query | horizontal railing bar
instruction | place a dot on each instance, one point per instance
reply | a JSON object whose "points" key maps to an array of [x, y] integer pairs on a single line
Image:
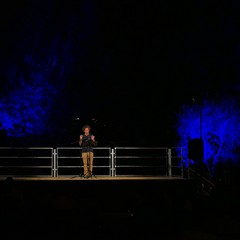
{"points": [[25, 166], [141, 147], [79, 148], [82, 166], [35, 148], [164, 157], [81, 157], [14, 157], [131, 166]]}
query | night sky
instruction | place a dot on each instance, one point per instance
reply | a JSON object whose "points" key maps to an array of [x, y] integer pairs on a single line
{"points": [[124, 67]]}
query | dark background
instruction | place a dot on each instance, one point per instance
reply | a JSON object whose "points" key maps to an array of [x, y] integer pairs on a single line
{"points": [[126, 68], [128, 65]]}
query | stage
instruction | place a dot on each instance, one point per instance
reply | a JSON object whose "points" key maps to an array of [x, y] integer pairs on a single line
{"points": [[135, 191], [94, 178], [141, 207]]}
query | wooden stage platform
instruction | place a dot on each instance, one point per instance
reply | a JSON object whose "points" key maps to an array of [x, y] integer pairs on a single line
{"points": [[97, 178]]}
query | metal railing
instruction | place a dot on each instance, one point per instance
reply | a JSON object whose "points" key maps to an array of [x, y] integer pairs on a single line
{"points": [[131, 161], [160, 161], [66, 161], [26, 161], [175, 161]]}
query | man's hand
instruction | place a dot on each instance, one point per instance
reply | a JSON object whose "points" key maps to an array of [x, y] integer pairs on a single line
{"points": [[93, 138]]}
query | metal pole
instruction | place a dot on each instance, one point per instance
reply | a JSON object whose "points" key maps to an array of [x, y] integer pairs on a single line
{"points": [[54, 163], [110, 162], [113, 169], [169, 162]]}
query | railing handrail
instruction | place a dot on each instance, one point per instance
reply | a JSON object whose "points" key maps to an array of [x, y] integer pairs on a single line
{"points": [[164, 148], [81, 148], [26, 147], [112, 156]]}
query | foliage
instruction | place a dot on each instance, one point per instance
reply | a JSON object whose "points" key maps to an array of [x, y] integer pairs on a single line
{"points": [[220, 129]]}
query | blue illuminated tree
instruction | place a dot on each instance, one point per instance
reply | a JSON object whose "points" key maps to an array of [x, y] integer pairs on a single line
{"points": [[38, 59], [34, 82], [220, 129], [24, 110]]}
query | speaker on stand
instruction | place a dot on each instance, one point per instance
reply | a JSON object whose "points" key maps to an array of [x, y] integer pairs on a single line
{"points": [[195, 149], [196, 154]]}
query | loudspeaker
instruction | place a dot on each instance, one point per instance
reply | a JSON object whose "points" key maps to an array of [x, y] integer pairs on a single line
{"points": [[195, 149]]}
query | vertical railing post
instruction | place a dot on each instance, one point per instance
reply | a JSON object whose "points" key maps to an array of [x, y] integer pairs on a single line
{"points": [[169, 162], [110, 162], [54, 162], [113, 169]]}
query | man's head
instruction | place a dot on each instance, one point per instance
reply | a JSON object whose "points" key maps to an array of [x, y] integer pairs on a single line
{"points": [[86, 128]]}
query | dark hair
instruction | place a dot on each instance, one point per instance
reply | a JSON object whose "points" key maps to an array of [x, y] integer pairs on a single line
{"points": [[86, 126]]}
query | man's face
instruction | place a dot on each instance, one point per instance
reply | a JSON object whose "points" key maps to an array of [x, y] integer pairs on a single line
{"points": [[86, 130]]}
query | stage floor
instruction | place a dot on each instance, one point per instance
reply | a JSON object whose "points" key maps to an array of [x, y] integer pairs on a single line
{"points": [[97, 178]]}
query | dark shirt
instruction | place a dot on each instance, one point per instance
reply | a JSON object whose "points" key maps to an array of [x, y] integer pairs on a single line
{"points": [[87, 145]]}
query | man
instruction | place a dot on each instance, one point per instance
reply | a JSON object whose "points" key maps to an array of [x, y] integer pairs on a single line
{"points": [[87, 141]]}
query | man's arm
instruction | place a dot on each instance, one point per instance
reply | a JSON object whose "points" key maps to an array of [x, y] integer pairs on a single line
{"points": [[80, 140], [94, 142]]}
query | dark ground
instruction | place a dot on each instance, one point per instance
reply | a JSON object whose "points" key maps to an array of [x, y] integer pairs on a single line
{"points": [[164, 209]]}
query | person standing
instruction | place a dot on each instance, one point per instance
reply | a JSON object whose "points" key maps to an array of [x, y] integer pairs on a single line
{"points": [[87, 141]]}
